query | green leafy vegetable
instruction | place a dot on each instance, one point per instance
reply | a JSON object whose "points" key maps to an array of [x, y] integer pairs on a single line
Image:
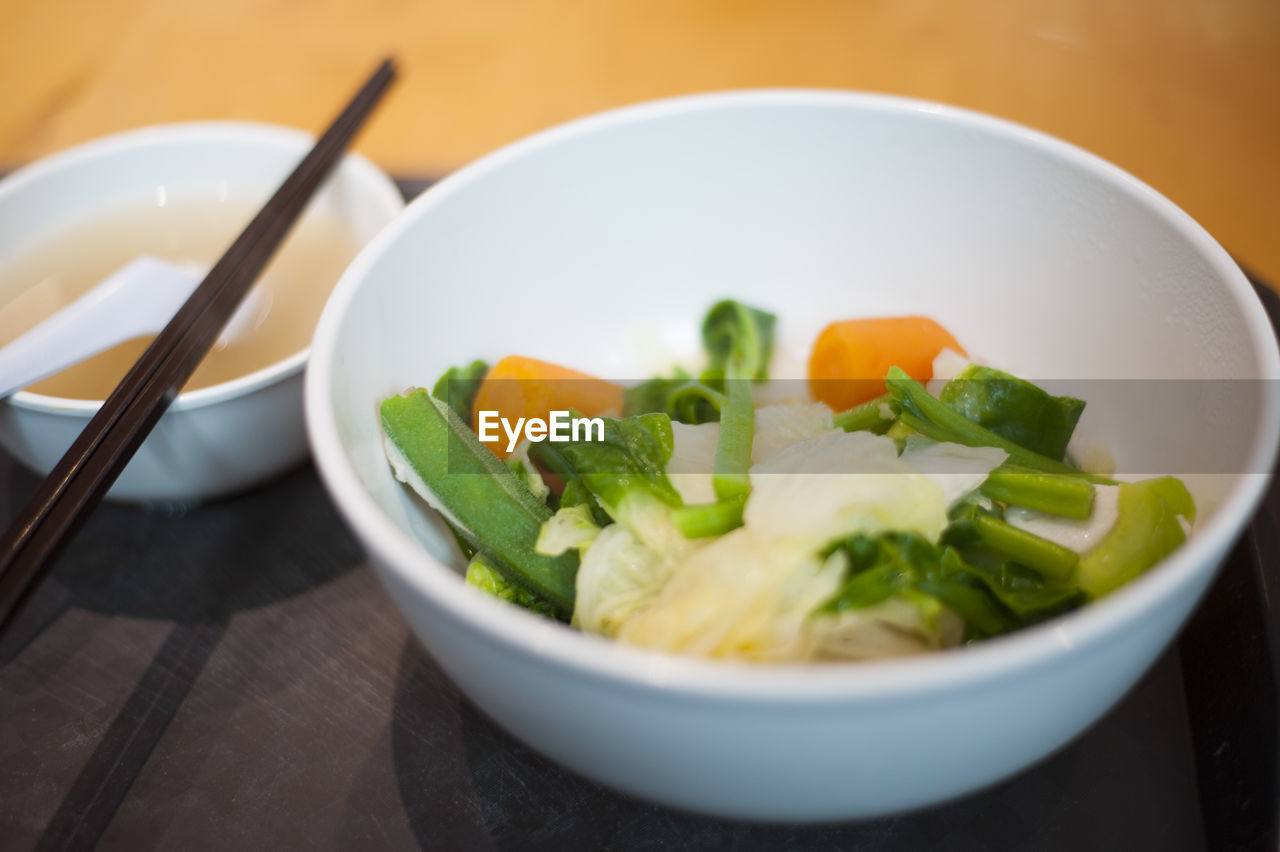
{"points": [[1147, 530], [682, 398], [576, 494], [624, 473], [880, 566], [1015, 409], [482, 575], [695, 402], [967, 592], [738, 340], [990, 600], [458, 387], [631, 459], [440, 457], [1026, 593], [921, 411], [870, 416], [651, 396]]}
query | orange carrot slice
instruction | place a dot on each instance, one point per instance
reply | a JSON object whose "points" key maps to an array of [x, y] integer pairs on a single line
{"points": [[850, 358], [518, 387]]}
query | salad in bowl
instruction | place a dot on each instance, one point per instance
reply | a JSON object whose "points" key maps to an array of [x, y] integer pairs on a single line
{"points": [[903, 499]]}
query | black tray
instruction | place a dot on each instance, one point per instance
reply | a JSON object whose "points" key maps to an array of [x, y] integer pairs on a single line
{"points": [[233, 676]]}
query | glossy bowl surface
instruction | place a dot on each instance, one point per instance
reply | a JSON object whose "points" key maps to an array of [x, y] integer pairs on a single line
{"points": [[581, 243], [219, 439]]}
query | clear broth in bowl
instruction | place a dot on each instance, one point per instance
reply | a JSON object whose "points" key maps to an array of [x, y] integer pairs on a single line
{"points": [[49, 274]]}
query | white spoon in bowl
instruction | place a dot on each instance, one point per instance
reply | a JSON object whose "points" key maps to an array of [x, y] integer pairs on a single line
{"points": [[135, 300]]}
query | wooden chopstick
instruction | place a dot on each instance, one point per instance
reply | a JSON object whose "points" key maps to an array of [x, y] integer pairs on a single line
{"points": [[96, 458]]}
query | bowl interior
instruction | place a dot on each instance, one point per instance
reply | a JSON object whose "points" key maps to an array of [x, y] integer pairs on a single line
{"points": [[600, 245]]}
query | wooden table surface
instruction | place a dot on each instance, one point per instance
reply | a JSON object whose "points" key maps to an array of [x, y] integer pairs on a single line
{"points": [[1185, 95]]}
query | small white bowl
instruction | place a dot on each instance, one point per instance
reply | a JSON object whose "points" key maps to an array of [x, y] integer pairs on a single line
{"points": [[219, 439], [817, 205]]}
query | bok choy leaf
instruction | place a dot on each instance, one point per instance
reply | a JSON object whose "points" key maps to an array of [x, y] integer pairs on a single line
{"points": [[1015, 409]]}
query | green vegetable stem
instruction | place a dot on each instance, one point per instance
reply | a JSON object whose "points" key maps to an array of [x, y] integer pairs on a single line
{"points": [[1049, 558], [709, 519], [739, 344], [870, 416], [733, 449], [1067, 496]]}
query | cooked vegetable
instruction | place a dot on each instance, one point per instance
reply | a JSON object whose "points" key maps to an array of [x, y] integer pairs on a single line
{"points": [[518, 387], [624, 472], [699, 524], [874, 415], [742, 595], [1050, 559], [619, 577], [576, 494], [989, 600], [1068, 496], [433, 451], [1149, 527], [841, 484], [851, 358], [630, 460], [703, 520], [682, 398], [1015, 409], [738, 340], [906, 567], [695, 402], [739, 344], [458, 387], [481, 574], [571, 527], [520, 464], [733, 452], [924, 413]]}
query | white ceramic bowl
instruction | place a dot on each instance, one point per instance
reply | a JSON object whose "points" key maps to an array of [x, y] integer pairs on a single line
{"points": [[225, 437], [819, 205]]}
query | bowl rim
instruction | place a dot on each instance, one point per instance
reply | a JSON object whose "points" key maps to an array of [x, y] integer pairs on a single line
{"points": [[791, 684], [373, 181]]}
